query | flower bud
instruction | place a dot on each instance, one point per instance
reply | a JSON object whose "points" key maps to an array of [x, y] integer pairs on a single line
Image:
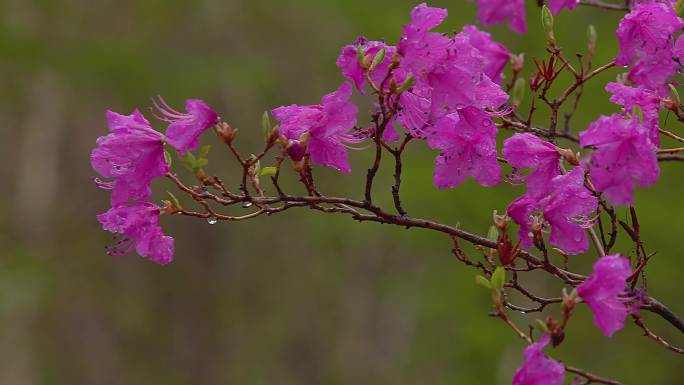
{"points": [[674, 98], [517, 62], [225, 132], [518, 92], [591, 39], [408, 83], [547, 23]]}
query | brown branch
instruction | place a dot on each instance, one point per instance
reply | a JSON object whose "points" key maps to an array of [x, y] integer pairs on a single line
{"points": [[604, 5]]}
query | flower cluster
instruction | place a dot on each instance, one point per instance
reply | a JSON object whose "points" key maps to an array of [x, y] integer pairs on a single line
{"points": [[452, 97], [132, 156]]}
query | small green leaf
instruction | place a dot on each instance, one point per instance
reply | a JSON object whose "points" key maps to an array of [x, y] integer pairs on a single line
{"points": [[674, 95], [204, 151], [518, 91], [361, 56], [592, 36], [379, 57], [542, 325], [482, 281], [202, 163], [547, 19], [408, 83], [167, 157], [493, 234], [266, 171], [498, 278], [174, 200]]}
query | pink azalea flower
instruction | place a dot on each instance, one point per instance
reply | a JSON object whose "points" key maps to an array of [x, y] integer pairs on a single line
{"points": [[624, 157], [493, 12], [539, 369], [565, 208], [648, 101], [327, 126], [646, 37], [132, 154], [422, 50], [468, 143], [185, 128], [348, 62], [495, 55], [527, 151], [604, 292], [139, 224], [557, 5]]}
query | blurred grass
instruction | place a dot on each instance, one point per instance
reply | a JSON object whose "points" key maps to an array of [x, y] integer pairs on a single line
{"points": [[293, 299]]}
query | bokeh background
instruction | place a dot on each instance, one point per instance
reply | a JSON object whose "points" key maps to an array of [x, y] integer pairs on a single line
{"points": [[299, 298]]}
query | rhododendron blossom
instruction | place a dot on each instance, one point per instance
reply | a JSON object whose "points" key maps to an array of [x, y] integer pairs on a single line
{"points": [[624, 158], [646, 37], [493, 12], [139, 224], [348, 61], [557, 5], [132, 154], [646, 100], [604, 292], [565, 207], [526, 151], [325, 128], [185, 128], [538, 369]]}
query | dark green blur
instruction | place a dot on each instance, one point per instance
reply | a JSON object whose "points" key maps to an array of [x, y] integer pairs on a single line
{"points": [[298, 298]]}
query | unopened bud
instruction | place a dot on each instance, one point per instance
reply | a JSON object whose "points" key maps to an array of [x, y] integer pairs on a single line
{"points": [[500, 221], [591, 39], [547, 23], [361, 56], [518, 92], [517, 62], [569, 156], [225, 132]]}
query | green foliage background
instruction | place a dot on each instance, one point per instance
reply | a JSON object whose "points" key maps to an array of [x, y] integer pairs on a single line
{"points": [[300, 298]]}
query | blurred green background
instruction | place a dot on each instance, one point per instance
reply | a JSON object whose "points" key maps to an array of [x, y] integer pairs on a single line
{"points": [[298, 298]]}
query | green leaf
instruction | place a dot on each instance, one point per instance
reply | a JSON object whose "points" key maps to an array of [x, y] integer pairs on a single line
{"points": [[201, 163], [498, 278], [379, 57], [266, 171], [542, 325], [361, 56], [204, 151], [482, 281], [493, 234], [174, 200], [518, 91], [168, 158]]}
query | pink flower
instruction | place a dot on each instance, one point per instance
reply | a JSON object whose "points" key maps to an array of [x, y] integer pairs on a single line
{"points": [[648, 101], [139, 224], [348, 62], [468, 143], [422, 50], [527, 151], [498, 11], [326, 126], [132, 154], [565, 208], [624, 157], [604, 292], [185, 128], [539, 369], [646, 38], [557, 5], [495, 55]]}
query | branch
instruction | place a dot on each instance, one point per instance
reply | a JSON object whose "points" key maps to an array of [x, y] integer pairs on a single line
{"points": [[604, 5]]}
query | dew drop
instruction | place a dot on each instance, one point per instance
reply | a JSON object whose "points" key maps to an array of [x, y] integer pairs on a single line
{"points": [[212, 220], [247, 204]]}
